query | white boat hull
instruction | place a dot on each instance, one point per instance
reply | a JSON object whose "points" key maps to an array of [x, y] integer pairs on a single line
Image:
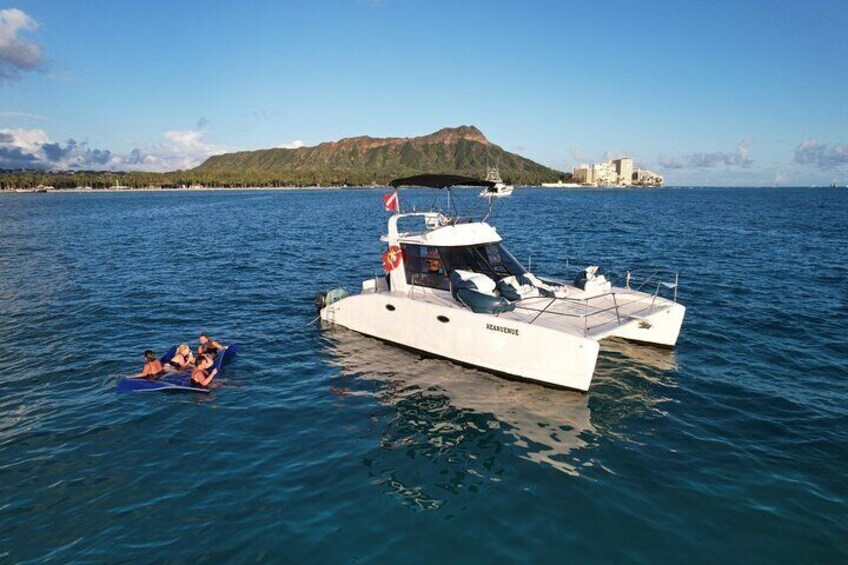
{"points": [[501, 192], [657, 328], [506, 346]]}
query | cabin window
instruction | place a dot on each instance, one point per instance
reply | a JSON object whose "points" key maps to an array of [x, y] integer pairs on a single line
{"points": [[424, 266], [491, 259]]}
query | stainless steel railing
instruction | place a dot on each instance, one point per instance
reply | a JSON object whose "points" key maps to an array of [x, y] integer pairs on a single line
{"points": [[657, 277], [656, 281], [589, 311]]}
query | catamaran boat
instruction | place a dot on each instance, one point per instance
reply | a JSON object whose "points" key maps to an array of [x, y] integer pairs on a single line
{"points": [[498, 187], [453, 290]]}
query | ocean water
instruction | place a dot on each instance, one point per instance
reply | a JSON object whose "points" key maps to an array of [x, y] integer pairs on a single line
{"points": [[325, 446]]}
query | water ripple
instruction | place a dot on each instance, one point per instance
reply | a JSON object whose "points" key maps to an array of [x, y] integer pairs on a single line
{"points": [[323, 445]]}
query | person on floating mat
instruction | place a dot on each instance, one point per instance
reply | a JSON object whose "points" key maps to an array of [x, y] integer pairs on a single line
{"points": [[201, 376], [209, 345], [182, 359], [153, 368]]}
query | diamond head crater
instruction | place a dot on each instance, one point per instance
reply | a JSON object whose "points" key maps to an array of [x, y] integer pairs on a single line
{"points": [[352, 161]]}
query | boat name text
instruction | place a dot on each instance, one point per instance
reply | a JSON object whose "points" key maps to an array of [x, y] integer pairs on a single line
{"points": [[502, 329]]}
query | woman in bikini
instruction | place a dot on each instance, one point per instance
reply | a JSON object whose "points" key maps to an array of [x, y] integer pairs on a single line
{"points": [[182, 359], [201, 376]]}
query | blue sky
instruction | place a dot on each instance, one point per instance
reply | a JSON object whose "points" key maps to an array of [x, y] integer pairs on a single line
{"points": [[707, 93]]}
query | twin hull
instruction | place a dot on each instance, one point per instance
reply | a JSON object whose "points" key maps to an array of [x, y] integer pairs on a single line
{"points": [[504, 346]]}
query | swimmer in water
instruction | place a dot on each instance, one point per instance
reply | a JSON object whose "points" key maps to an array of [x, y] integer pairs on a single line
{"points": [[201, 376], [152, 367]]}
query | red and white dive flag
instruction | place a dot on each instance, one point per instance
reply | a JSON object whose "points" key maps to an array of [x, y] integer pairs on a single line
{"points": [[390, 201]]}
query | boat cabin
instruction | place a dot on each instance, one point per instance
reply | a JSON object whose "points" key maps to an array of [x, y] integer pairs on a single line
{"points": [[430, 256], [464, 258]]}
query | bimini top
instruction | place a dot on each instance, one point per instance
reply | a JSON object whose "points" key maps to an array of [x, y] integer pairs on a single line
{"points": [[440, 181]]}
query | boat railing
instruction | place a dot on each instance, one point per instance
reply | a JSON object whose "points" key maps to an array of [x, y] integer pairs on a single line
{"points": [[589, 311], [659, 281], [586, 309], [417, 290]]}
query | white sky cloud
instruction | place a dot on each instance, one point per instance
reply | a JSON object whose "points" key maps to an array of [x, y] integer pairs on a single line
{"points": [[297, 143], [23, 115], [822, 155], [738, 158], [29, 140], [181, 149], [33, 148], [17, 55]]}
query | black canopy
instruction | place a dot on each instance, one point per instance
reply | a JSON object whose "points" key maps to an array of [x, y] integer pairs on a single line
{"points": [[440, 181]]}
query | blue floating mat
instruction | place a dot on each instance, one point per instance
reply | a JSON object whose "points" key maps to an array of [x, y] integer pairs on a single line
{"points": [[176, 382]]}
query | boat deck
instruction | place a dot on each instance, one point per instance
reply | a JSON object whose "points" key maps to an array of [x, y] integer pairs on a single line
{"points": [[597, 317]]}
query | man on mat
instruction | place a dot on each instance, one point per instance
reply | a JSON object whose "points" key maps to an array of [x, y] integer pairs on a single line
{"points": [[152, 367], [209, 345]]}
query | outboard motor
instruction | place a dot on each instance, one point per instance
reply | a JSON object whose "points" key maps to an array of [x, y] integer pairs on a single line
{"points": [[320, 301], [324, 299]]}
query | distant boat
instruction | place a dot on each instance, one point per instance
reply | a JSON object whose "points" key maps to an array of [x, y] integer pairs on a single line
{"points": [[560, 184], [500, 189]]}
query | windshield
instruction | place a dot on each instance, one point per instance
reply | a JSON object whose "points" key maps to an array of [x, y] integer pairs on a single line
{"points": [[430, 266], [491, 259]]}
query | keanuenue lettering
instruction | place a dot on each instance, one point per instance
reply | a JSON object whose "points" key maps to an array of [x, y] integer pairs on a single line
{"points": [[502, 329]]}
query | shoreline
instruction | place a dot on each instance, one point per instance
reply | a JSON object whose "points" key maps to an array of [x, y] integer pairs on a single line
{"points": [[158, 189], [337, 188], [270, 188]]}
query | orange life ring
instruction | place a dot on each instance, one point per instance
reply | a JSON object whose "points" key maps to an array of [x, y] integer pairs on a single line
{"points": [[392, 258]]}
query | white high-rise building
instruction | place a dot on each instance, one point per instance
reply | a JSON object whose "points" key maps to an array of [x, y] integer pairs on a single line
{"points": [[614, 172], [605, 174], [624, 169], [582, 174], [642, 177]]}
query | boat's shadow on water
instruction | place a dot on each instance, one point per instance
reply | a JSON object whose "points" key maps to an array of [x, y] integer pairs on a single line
{"points": [[472, 424]]}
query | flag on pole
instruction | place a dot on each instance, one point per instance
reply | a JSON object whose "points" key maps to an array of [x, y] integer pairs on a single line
{"points": [[390, 202]]}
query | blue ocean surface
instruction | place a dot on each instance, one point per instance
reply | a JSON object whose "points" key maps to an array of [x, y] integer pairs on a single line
{"points": [[323, 446]]}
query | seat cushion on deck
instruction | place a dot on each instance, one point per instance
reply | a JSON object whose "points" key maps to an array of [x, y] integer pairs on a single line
{"points": [[477, 292], [512, 290], [480, 303], [547, 290], [473, 281]]}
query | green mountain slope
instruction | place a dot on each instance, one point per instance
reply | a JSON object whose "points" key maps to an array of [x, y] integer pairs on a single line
{"points": [[365, 160]]}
